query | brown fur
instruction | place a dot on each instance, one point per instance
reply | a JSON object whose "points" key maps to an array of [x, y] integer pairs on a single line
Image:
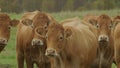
{"points": [[90, 19], [117, 40], [25, 35], [75, 49], [5, 25]]}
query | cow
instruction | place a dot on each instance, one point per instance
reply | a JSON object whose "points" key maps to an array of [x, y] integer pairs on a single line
{"points": [[104, 25], [31, 43], [71, 44], [116, 22], [5, 27]]}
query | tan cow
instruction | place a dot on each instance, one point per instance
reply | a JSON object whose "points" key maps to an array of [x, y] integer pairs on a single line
{"points": [[71, 44], [5, 25], [31, 43], [104, 27], [117, 40]]}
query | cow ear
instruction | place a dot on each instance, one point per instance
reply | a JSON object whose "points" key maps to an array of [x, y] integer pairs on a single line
{"points": [[68, 33], [27, 22], [14, 22], [115, 23], [93, 22]]}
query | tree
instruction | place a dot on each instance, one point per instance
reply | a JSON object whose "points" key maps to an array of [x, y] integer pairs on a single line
{"points": [[69, 5], [48, 5], [104, 4]]}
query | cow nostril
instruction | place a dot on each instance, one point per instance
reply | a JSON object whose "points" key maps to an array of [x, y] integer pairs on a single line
{"points": [[105, 38], [101, 38], [38, 42], [4, 41]]}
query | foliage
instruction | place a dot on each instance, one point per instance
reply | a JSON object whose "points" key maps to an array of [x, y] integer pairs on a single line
{"points": [[57, 5]]}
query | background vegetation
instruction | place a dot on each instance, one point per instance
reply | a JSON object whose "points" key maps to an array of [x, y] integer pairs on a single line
{"points": [[19, 6]]}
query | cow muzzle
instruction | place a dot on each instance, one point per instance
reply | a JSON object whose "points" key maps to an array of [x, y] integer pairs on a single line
{"points": [[3, 42], [50, 52], [103, 38], [37, 42]]}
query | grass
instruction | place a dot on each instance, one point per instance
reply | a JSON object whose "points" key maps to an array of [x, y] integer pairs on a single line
{"points": [[8, 55]]}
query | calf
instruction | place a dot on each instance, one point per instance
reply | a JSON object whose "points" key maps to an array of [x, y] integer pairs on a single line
{"points": [[31, 43], [71, 44], [5, 25]]}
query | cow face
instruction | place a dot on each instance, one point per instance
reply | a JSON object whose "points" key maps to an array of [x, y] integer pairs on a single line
{"points": [[39, 24], [56, 39], [104, 26], [39, 36], [5, 26]]}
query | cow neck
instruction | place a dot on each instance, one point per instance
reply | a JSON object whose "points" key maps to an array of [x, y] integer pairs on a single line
{"points": [[65, 55]]}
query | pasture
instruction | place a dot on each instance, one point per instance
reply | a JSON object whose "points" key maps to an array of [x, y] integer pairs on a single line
{"points": [[8, 55]]}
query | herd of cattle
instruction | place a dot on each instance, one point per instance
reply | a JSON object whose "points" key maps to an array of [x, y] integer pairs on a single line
{"points": [[91, 42]]}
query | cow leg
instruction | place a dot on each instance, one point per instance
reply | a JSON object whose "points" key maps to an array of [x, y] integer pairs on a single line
{"points": [[29, 62], [41, 65], [44, 65], [20, 60], [118, 61], [117, 52], [47, 65]]}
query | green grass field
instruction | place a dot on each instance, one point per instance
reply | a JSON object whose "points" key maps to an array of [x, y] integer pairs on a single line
{"points": [[8, 55]]}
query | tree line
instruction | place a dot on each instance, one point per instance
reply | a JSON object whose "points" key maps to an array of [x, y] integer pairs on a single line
{"points": [[19, 6]]}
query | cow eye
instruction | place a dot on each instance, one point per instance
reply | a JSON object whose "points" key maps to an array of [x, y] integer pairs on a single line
{"points": [[9, 27], [60, 38], [46, 36], [39, 32], [110, 26], [97, 25], [45, 26]]}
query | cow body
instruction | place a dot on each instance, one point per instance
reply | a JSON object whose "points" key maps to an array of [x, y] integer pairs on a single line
{"points": [[71, 49], [26, 48], [116, 40]]}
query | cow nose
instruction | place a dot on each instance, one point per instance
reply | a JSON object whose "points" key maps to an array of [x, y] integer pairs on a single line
{"points": [[37, 42], [103, 38], [3, 41], [50, 52]]}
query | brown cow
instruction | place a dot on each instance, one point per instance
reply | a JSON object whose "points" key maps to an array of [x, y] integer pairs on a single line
{"points": [[117, 40], [104, 27], [71, 44], [5, 26], [30, 40]]}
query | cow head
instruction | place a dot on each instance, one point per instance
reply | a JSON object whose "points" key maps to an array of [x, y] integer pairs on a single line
{"points": [[5, 25], [104, 27], [39, 24], [56, 39]]}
